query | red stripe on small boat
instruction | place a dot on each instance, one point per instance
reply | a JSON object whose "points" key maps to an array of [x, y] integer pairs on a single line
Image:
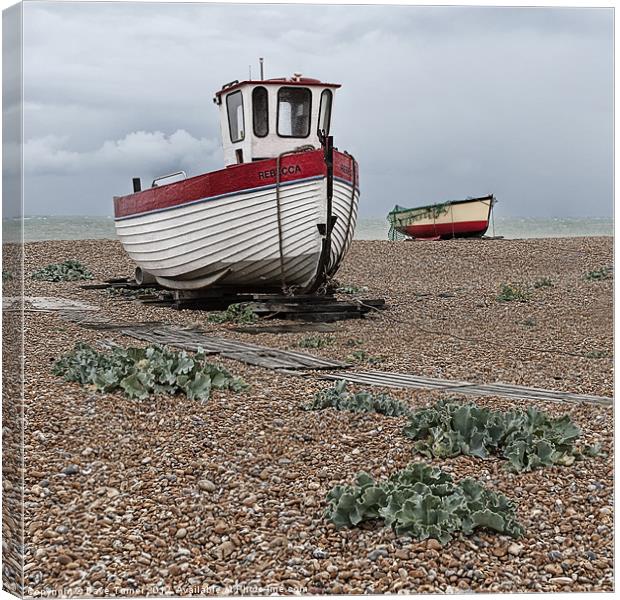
{"points": [[234, 179], [447, 229]]}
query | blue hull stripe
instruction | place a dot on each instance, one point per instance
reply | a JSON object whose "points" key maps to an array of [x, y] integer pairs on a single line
{"points": [[346, 182]]}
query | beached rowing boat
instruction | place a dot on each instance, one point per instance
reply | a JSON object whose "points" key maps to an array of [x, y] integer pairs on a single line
{"points": [[280, 215], [452, 219]]}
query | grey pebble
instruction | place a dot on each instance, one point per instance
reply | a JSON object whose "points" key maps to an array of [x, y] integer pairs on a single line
{"points": [[377, 553]]}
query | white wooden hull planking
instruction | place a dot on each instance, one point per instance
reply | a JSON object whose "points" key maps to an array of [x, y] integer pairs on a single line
{"points": [[237, 236]]}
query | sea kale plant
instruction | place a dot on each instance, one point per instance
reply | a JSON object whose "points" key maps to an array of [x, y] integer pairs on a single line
{"points": [[235, 313], [543, 282], [315, 341], [599, 274], [361, 356], [362, 402], [69, 270], [140, 372], [527, 439], [512, 292], [423, 502]]}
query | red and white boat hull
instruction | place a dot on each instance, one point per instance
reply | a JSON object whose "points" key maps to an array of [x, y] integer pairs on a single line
{"points": [[222, 228], [460, 218]]}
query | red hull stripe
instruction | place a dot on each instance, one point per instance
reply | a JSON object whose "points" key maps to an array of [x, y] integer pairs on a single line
{"points": [[447, 229], [217, 197], [238, 179]]}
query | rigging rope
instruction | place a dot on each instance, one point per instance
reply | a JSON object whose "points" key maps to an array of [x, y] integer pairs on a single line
{"points": [[335, 266], [305, 148]]}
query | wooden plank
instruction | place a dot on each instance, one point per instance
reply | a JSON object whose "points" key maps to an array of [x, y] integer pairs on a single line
{"points": [[534, 390], [95, 286], [192, 339], [310, 308], [399, 380], [311, 359], [287, 328], [259, 360], [387, 382], [301, 299], [304, 308], [315, 307], [432, 381], [491, 389]]}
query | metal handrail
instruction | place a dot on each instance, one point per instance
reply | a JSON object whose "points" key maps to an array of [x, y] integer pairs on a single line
{"points": [[166, 177]]}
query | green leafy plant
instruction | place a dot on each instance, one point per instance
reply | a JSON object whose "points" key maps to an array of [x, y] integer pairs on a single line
{"points": [[528, 440], [337, 397], [593, 451], [543, 282], [363, 357], [352, 289], [599, 274], [140, 372], [69, 270], [596, 354], [530, 322], [353, 342], [511, 292], [6, 275], [235, 313], [315, 341], [423, 502]]}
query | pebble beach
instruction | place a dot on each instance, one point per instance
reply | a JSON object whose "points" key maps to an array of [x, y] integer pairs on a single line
{"points": [[178, 497]]}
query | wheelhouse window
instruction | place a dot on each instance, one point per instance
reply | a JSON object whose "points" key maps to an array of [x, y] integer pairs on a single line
{"points": [[325, 111], [294, 104], [260, 112], [234, 106]]}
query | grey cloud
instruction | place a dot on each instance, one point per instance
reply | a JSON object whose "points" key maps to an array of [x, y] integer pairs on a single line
{"points": [[437, 102], [137, 151]]}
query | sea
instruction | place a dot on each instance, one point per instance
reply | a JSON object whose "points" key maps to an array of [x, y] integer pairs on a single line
{"points": [[37, 228]]}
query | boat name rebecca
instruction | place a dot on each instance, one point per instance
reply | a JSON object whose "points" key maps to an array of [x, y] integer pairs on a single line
{"points": [[288, 170]]}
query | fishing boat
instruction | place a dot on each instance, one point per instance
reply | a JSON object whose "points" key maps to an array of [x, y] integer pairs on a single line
{"points": [[451, 219], [279, 216]]}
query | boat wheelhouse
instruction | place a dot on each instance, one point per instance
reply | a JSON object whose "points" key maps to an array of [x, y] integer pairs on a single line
{"points": [[279, 216], [265, 118]]}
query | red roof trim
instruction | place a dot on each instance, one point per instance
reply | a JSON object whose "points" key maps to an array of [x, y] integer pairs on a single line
{"points": [[305, 81]]}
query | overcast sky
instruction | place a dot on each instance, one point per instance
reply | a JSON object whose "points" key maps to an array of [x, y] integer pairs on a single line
{"points": [[436, 103]]}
